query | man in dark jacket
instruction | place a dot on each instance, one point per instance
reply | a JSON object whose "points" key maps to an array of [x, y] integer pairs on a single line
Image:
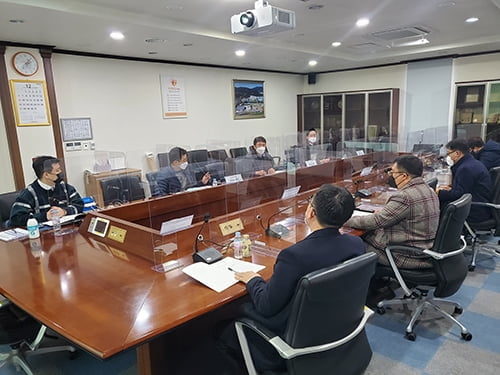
{"points": [[179, 176], [488, 154], [468, 176], [45, 196], [329, 209]]}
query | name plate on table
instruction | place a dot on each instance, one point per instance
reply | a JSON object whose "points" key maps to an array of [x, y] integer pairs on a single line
{"points": [[233, 178], [290, 192], [175, 225], [311, 163]]}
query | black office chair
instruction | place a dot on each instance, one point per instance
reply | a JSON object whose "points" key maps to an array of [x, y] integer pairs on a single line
{"points": [[220, 154], [490, 226], [325, 332], [119, 190], [432, 182], [425, 288], [197, 156], [23, 334], [151, 177], [6, 202], [163, 160], [238, 152]]}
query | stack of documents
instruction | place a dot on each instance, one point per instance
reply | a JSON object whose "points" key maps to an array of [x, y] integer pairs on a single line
{"points": [[13, 234]]}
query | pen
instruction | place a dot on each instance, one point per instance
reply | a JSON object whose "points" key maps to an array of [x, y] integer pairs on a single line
{"points": [[230, 269]]}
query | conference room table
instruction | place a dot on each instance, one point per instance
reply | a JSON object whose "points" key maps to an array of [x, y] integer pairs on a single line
{"points": [[102, 294]]}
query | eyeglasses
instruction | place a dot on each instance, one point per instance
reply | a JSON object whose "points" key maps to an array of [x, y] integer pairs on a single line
{"points": [[451, 152]]}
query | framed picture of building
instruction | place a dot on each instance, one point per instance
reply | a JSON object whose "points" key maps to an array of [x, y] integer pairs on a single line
{"points": [[248, 99]]}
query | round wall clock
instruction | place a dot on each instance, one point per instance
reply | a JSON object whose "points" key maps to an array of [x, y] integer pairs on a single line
{"points": [[25, 63]]}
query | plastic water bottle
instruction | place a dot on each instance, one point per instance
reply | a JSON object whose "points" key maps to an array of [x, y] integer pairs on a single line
{"points": [[56, 222], [237, 245], [214, 182], [32, 227]]}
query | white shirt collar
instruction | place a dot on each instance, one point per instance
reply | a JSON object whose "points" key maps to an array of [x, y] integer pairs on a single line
{"points": [[45, 186]]}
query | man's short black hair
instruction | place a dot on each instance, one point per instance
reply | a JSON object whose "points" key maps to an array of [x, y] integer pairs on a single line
{"points": [[475, 142], [259, 139], [43, 164], [334, 205], [176, 154], [410, 164], [458, 145]]}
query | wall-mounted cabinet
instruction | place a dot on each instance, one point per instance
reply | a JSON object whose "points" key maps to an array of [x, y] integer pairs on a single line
{"points": [[477, 110], [352, 120]]}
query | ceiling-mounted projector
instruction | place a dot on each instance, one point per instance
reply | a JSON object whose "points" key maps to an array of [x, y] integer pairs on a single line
{"points": [[264, 19]]}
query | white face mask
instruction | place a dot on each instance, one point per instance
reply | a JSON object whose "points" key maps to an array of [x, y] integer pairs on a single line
{"points": [[183, 165], [312, 140], [260, 150], [449, 161]]}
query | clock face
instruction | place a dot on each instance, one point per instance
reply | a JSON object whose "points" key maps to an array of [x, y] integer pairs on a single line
{"points": [[25, 63]]}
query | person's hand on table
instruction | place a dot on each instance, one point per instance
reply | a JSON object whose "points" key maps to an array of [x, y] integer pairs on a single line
{"points": [[60, 212], [205, 178], [443, 187], [260, 173], [246, 276], [271, 171]]}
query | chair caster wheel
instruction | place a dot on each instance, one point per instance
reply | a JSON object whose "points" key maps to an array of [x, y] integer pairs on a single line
{"points": [[472, 268], [381, 310], [410, 336], [467, 336], [458, 310]]}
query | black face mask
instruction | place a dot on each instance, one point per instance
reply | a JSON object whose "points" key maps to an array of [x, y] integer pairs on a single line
{"points": [[60, 178], [392, 182]]}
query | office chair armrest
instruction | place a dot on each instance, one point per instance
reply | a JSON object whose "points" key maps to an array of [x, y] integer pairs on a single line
{"points": [[486, 204], [439, 256], [286, 351], [400, 249]]}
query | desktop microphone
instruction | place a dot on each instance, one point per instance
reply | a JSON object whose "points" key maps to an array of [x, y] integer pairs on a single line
{"points": [[282, 229], [209, 255]]}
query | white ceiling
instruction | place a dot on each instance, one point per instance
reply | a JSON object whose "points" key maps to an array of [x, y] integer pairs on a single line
{"points": [[198, 31]]}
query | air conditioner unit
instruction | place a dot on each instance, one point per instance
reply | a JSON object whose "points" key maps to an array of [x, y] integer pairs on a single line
{"points": [[264, 19]]}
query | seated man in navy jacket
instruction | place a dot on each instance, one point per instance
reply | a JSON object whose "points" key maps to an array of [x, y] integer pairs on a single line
{"points": [[488, 154], [329, 209], [468, 176], [47, 195], [178, 177]]}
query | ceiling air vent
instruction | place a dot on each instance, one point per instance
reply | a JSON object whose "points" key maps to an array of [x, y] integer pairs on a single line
{"points": [[367, 47], [402, 33]]}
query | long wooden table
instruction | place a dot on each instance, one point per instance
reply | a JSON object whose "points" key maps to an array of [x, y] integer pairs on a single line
{"points": [[103, 295]]}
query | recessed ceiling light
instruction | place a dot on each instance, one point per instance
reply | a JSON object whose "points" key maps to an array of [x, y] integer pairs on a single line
{"points": [[472, 19], [312, 63], [16, 21], [336, 44], [116, 35], [155, 40], [362, 22], [240, 53]]}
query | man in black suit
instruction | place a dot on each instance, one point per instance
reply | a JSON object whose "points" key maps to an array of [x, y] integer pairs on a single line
{"points": [[329, 209]]}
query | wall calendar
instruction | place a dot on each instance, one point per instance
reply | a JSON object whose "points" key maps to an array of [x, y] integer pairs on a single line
{"points": [[30, 102]]}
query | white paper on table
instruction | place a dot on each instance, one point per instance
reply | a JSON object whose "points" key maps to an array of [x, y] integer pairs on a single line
{"points": [[217, 276]]}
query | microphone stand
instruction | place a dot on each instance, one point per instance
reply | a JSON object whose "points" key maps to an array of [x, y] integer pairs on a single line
{"points": [[209, 255]]}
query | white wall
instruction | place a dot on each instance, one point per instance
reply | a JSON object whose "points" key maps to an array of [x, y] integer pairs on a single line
{"points": [[477, 68], [7, 180], [123, 100]]}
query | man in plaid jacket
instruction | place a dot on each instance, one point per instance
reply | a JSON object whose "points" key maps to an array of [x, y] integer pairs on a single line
{"points": [[410, 216]]}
